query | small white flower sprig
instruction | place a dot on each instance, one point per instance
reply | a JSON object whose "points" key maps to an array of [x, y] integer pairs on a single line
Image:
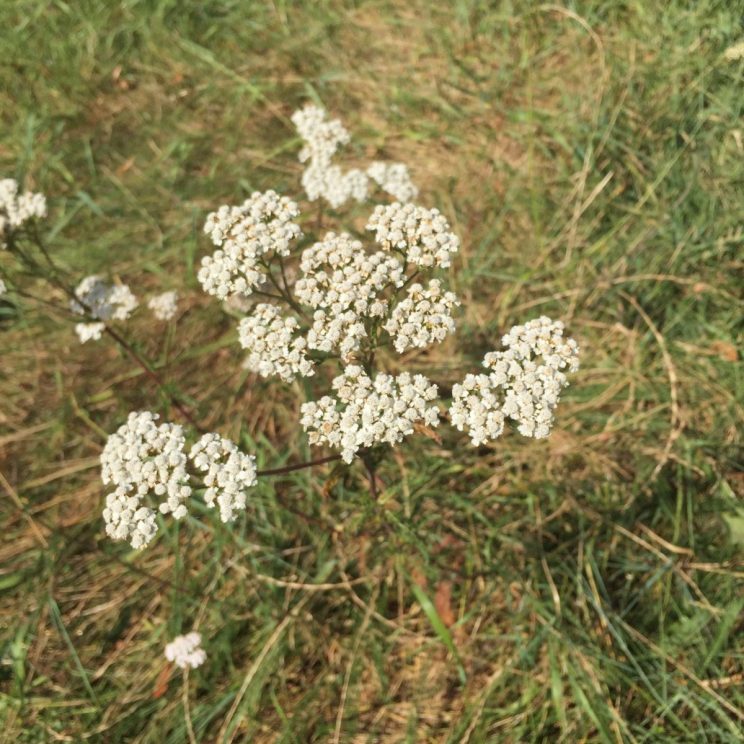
{"points": [[185, 651], [164, 306], [322, 179], [96, 306], [102, 301]]}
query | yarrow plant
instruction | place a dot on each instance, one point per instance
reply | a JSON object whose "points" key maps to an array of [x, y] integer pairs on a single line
{"points": [[342, 310]]}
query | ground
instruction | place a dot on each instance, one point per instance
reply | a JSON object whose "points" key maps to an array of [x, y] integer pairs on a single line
{"points": [[587, 587]]}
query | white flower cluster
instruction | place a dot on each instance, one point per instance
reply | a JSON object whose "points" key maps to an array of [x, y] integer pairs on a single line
{"points": [[186, 651], [344, 285], [322, 137], [422, 235], [146, 458], [229, 472], [245, 235], [532, 389], [368, 412], [17, 209], [524, 383], [273, 343], [102, 301], [3, 288], [143, 457], [321, 178], [734, 53], [424, 317], [164, 306], [476, 408], [394, 179]]}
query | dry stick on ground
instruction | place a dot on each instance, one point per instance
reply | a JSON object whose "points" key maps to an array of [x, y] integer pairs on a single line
{"points": [[16, 499]]}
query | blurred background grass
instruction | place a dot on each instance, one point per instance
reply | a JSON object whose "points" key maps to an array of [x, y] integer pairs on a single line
{"points": [[583, 588]]}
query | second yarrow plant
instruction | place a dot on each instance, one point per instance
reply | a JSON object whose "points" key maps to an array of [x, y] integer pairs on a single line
{"points": [[338, 308]]}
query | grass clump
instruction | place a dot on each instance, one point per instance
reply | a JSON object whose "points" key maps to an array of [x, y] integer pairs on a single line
{"points": [[584, 588]]}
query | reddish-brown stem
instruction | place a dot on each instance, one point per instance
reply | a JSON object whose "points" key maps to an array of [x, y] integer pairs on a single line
{"points": [[147, 368], [298, 466], [153, 376]]}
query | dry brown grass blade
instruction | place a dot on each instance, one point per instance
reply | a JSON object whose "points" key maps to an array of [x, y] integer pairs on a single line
{"points": [[16, 499], [675, 425], [702, 684], [350, 666]]}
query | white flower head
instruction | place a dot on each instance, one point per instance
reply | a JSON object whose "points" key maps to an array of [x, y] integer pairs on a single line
{"points": [[164, 306], [322, 137], [422, 235], [102, 301], [89, 331], [476, 408], [143, 458], [3, 288], [524, 384], [368, 412], [735, 52], [185, 651], [229, 473], [274, 344], [333, 184], [322, 179], [244, 235], [344, 285], [394, 179], [18, 208], [424, 317]]}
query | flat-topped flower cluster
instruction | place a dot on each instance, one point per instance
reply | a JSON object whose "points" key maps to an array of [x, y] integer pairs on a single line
{"points": [[524, 384], [145, 460], [18, 208], [338, 308], [367, 412], [324, 179], [245, 234], [350, 302], [185, 651]]}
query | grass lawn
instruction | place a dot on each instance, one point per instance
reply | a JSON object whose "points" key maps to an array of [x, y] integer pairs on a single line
{"points": [[583, 588]]}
